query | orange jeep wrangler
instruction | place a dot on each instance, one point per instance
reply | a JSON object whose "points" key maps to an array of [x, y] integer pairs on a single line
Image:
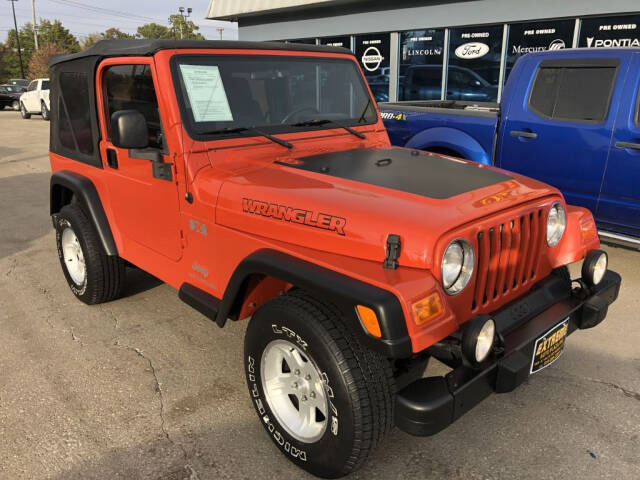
{"points": [[258, 180]]}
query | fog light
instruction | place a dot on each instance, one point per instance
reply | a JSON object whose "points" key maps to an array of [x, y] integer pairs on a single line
{"points": [[478, 338], [594, 267]]}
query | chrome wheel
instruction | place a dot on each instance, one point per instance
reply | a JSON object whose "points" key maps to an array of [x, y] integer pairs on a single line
{"points": [[73, 257], [294, 390], [15, 105]]}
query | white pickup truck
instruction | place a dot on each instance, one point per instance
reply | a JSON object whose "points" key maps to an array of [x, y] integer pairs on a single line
{"points": [[36, 99]]}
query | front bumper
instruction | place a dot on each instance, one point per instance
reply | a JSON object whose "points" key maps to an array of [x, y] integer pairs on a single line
{"points": [[430, 404]]}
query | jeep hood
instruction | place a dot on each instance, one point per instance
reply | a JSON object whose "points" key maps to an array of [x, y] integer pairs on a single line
{"points": [[348, 202]]}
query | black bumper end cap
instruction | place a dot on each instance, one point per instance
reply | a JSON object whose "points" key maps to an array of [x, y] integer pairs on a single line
{"points": [[424, 407], [512, 371]]}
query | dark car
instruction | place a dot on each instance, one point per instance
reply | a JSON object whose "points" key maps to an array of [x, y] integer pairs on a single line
{"points": [[19, 82], [10, 96]]}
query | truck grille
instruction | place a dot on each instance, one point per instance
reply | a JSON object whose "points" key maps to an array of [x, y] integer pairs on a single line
{"points": [[508, 257]]}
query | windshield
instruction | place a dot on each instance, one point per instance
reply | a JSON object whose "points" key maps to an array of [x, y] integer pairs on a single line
{"points": [[218, 93]]}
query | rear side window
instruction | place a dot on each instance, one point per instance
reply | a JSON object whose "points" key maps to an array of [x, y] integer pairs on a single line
{"points": [[573, 93], [130, 87], [74, 121], [45, 85]]}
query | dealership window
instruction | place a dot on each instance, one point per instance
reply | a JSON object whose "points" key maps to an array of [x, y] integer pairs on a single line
{"points": [[306, 41], [474, 63], [572, 93], [343, 41], [610, 32], [420, 72], [373, 52], [537, 37], [74, 122]]}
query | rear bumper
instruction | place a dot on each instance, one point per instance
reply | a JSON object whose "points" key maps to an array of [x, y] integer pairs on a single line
{"points": [[428, 405]]}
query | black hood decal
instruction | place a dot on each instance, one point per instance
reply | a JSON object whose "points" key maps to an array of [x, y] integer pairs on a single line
{"points": [[401, 169]]}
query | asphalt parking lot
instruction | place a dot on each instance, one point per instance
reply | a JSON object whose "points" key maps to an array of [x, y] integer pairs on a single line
{"points": [[145, 387]]}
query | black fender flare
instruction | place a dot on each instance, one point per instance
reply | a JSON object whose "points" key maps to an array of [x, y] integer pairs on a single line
{"points": [[343, 291], [87, 197]]}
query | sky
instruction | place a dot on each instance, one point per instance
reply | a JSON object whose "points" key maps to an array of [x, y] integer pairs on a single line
{"points": [[127, 15]]}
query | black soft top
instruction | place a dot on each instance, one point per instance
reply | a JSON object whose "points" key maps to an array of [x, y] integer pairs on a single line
{"points": [[123, 48]]}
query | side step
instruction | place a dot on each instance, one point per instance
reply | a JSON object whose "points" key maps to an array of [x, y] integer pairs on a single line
{"points": [[205, 303], [619, 239]]}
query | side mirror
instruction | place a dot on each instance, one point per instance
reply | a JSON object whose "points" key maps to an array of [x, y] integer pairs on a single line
{"points": [[129, 129]]}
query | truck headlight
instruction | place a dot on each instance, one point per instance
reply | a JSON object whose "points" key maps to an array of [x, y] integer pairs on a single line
{"points": [[477, 339], [594, 267], [457, 266], [556, 223]]}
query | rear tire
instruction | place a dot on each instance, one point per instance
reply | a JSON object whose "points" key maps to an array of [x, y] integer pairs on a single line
{"points": [[93, 276], [299, 354], [23, 111], [44, 111]]}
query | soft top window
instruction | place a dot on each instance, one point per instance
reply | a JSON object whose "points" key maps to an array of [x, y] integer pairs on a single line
{"points": [[271, 92]]}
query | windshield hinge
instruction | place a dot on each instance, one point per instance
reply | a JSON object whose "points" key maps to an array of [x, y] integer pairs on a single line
{"points": [[393, 252]]}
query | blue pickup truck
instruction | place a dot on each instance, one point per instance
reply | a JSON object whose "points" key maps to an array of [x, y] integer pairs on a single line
{"points": [[570, 118]]}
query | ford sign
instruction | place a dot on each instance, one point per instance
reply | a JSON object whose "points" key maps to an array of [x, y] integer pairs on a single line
{"points": [[472, 50]]}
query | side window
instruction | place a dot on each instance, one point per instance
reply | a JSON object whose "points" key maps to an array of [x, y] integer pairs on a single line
{"points": [[130, 87], [573, 93], [543, 93], [45, 85], [73, 110], [32, 86]]}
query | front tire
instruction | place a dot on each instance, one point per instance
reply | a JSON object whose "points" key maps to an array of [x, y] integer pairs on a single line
{"points": [[93, 276], [44, 111], [23, 111], [325, 400]]}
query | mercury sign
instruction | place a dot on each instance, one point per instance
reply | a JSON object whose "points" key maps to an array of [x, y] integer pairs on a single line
{"points": [[472, 50], [372, 59]]}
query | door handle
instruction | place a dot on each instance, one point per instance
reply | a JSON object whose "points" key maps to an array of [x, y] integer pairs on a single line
{"points": [[628, 145], [112, 158], [519, 133]]}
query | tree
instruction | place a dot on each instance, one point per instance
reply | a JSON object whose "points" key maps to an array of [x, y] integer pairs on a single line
{"points": [[189, 29], [51, 32], [109, 34], [116, 34], [154, 30], [4, 72], [39, 63]]}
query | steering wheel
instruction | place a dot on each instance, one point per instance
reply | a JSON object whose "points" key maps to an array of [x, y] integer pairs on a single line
{"points": [[290, 115]]}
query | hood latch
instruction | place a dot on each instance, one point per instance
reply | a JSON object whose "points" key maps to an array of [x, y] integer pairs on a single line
{"points": [[393, 252]]}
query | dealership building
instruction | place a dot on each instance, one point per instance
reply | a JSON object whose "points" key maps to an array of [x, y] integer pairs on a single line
{"points": [[442, 49]]}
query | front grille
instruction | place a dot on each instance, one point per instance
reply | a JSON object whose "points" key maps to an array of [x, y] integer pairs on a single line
{"points": [[508, 257]]}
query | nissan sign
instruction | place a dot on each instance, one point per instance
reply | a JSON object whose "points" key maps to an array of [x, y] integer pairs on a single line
{"points": [[371, 59], [471, 50]]}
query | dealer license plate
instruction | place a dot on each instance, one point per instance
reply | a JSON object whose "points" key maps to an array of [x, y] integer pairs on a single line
{"points": [[549, 346]]}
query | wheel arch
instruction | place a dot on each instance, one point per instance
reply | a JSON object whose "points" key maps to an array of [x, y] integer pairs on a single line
{"points": [[284, 271], [453, 140], [67, 187]]}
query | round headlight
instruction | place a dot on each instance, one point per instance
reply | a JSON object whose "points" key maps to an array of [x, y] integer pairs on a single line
{"points": [[457, 266], [594, 267], [556, 223], [478, 338]]}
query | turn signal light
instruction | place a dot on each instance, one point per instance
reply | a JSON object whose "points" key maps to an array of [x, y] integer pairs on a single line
{"points": [[427, 309], [369, 320]]}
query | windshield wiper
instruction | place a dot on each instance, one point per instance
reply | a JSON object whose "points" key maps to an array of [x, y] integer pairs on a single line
{"points": [[323, 121], [277, 140], [364, 111]]}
